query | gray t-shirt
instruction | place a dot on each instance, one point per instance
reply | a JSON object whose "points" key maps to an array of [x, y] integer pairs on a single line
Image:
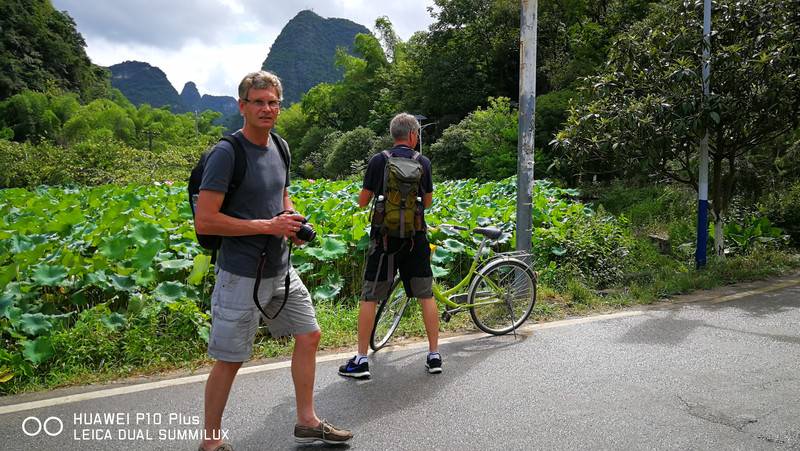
{"points": [[260, 196]]}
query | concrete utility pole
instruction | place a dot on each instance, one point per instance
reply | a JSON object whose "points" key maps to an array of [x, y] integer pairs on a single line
{"points": [[527, 109], [702, 191]]}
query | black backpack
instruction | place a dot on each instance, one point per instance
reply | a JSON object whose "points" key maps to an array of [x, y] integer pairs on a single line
{"points": [[213, 242]]}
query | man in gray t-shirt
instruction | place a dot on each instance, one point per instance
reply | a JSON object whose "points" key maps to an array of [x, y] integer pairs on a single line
{"points": [[252, 222], [259, 196]]}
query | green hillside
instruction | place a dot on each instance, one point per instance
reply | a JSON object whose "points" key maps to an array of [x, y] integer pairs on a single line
{"points": [[303, 54], [40, 49], [142, 83]]}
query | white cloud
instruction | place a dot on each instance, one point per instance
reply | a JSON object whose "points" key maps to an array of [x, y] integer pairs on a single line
{"points": [[216, 70], [163, 24], [214, 43]]}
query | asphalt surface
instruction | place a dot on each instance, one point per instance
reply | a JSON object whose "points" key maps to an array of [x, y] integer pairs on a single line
{"points": [[716, 370]]}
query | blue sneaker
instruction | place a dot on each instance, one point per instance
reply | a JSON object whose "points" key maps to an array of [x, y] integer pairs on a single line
{"points": [[434, 363], [351, 369]]}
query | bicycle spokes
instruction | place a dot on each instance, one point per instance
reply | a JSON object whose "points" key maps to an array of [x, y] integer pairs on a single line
{"points": [[502, 296]]}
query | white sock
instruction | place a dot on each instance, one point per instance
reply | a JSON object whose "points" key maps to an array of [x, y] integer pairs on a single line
{"points": [[434, 354], [361, 359]]}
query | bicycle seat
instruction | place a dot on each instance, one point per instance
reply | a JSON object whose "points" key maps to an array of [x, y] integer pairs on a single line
{"points": [[492, 233]]}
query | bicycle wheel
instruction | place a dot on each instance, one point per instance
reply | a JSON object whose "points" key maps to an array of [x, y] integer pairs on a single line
{"points": [[388, 317], [507, 288]]}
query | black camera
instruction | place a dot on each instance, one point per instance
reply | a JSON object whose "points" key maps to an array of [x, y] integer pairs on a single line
{"points": [[306, 232]]}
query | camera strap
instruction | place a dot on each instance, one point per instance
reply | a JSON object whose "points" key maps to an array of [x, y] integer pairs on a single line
{"points": [[286, 282], [260, 270]]}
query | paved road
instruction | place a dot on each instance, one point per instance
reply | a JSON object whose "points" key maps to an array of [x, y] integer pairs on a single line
{"points": [[723, 373]]}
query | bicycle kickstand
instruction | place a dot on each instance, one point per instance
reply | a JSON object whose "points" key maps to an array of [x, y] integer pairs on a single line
{"points": [[511, 315]]}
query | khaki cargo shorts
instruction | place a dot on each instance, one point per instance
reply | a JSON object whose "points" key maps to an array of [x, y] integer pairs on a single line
{"points": [[235, 318]]}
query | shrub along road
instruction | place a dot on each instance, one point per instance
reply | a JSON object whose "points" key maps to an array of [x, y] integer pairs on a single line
{"points": [[713, 370]]}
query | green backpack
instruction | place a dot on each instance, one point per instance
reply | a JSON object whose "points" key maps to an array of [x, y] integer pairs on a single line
{"points": [[398, 211]]}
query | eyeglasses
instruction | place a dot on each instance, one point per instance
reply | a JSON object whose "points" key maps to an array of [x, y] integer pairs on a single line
{"points": [[273, 104]]}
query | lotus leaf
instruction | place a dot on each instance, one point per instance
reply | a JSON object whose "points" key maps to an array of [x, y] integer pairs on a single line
{"points": [[34, 324], [38, 351], [169, 291], [49, 275]]}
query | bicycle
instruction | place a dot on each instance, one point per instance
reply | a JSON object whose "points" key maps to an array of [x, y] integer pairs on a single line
{"points": [[500, 296]]}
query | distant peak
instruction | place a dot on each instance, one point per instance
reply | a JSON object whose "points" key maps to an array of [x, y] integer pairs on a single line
{"points": [[134, 63], [307, 13], [190, 89], [126, 68]]}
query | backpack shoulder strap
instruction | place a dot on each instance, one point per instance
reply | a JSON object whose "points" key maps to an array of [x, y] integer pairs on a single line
{"points": [[388, 155], [239, 162], [285, 155]]}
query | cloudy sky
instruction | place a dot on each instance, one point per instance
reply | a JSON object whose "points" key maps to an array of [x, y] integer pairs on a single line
{"points": [[214, 42]]}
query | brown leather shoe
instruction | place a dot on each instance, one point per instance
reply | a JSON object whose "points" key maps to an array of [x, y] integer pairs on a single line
{"points": [[324, 432]]}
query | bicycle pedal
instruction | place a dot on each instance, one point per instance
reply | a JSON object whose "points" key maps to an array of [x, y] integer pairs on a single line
{"points": [[446, 316]]}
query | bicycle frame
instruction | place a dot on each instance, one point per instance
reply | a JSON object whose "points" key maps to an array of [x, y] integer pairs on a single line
{"points": [[444, 297], [466, 295]]}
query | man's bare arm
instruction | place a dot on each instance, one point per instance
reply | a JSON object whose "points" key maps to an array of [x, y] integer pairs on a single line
{"points": [[210, 221]]}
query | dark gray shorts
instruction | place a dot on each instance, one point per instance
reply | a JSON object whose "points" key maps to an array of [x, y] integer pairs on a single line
{"points": [[234, 316], [411, 257]]}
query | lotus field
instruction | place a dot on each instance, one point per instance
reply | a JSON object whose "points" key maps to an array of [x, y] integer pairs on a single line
{"points": [[122, 251]]}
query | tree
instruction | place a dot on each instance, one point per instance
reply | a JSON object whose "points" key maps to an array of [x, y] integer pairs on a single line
{"points": [[313, 166], [312, 142], [483, 145], [575, 37], [40, 50], [392, 45], [645, 115], [353, 96], [470, 54], [292, 125], [28, 115], [101, 118], [351, 149]]}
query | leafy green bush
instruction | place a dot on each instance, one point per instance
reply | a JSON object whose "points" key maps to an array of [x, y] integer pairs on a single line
{"points": [[26, 164], [353, 147], [783, 208], [311, 142], [449, 155], [593, 247], [94, 161], [648, 205], [313, 166], [753, 231], [493, 144], [59, 118], [483, 145]]}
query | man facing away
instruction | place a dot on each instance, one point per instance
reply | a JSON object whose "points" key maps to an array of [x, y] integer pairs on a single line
{"points": [[252, 221], [411, 256]]}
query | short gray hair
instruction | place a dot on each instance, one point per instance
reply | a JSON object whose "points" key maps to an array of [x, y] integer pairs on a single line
{"points": [[402, 125], [260, 80]]}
